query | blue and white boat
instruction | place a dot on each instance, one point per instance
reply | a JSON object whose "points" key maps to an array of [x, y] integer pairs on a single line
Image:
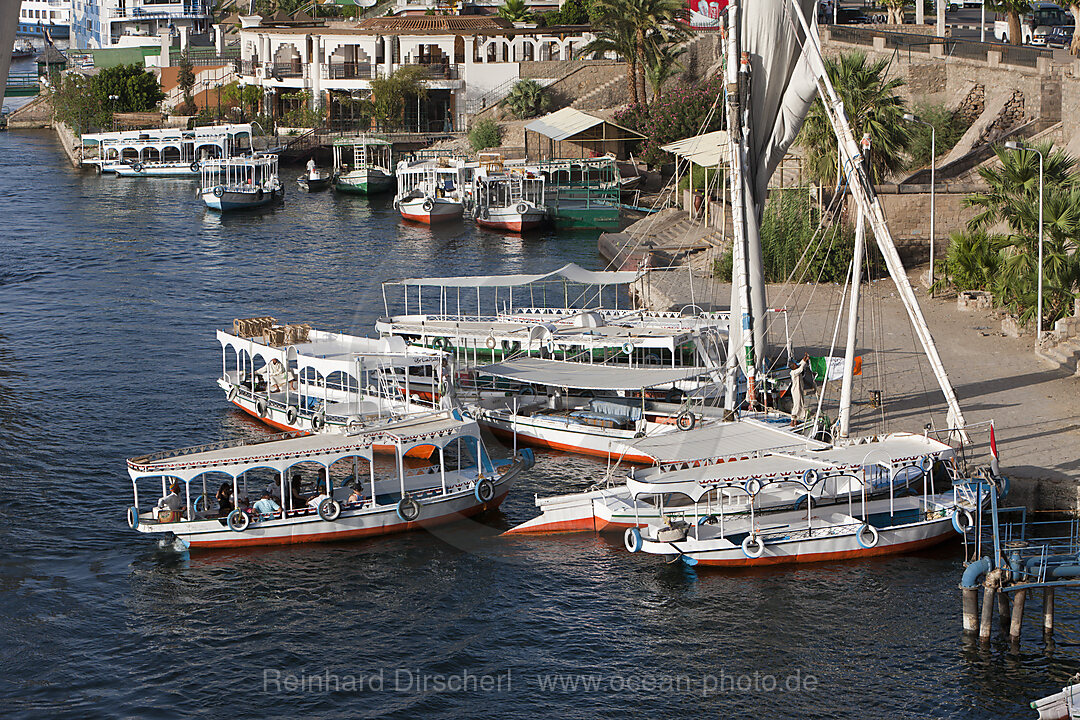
{"points": [[240, 183]]}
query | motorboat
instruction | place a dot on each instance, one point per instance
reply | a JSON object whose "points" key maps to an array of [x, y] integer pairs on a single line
{"points": [[507, 200], [240, 183], [313, 179], [328, 486], [165, 152], [736, 537], [23, 49], [296, 378], [363, 165], [434, 191], [723, 456]]}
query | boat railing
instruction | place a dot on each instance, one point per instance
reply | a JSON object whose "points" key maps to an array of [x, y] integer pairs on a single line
{"points": [[679, 465], [209, 447]]}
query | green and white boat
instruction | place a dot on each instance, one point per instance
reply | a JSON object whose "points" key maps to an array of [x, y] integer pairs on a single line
{"points": [[363, 165]]}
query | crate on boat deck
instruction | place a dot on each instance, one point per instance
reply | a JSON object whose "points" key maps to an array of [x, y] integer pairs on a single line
{"points": [[252, 327], [283, 335]]}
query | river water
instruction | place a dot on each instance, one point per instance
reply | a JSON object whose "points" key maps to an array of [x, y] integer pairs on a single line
{"points": [[110, 291]]}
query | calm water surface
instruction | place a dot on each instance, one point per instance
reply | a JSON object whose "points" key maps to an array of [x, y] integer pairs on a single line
{"points": [[110, 291]]}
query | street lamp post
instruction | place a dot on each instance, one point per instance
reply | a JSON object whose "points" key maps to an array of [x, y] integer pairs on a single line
{"points": [[217, 91], [1013, 145], [933, 162], [241, 84]]}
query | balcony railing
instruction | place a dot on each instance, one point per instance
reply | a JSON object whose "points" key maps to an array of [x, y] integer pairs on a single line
{"points": [[438, 70], [285, 70], [349, 71]]}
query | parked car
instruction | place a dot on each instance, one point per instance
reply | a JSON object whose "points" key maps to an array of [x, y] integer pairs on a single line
{"points": [[1036, 25], [851, 16]]}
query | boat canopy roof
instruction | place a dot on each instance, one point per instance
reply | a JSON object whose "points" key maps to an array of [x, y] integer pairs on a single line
{"points": [[586, 376], [694, 480], [279, 452], [708, 150], [151, 135], [329, 352], [570, 272], [737, 439], [361, 140]]}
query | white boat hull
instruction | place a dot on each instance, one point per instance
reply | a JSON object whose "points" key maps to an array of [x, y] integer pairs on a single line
{"points": [[535, 430], [240, 200], [843, 546], [431, 210]]}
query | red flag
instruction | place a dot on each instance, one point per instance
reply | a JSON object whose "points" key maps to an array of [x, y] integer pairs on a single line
{"points": [[993, 452]]}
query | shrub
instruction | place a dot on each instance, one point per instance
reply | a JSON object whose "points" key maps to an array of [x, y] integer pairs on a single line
{"points": [[485, 134], [527, 99], [973, 260], [949, 125], [681, 113], [789, 225]]}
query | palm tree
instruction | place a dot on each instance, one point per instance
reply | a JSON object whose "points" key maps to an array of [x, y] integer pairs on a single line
{"points": [[527, 99], [1012, 198], [661, 64], [1013, 9], [515, 11], [1012, 192], [614, 33], [873, 108], [655, 22], [896, 10]]}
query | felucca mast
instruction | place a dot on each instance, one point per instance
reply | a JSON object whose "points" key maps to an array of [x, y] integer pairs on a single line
{"points": [[738, 86], [863, 192]]}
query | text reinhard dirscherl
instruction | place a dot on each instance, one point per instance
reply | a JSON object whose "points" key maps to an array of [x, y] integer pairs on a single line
{"points": [[417, 681]]}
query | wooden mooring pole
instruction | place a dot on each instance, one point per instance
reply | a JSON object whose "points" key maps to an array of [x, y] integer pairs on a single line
{"points": [[1003, 609], [1048, 611]]}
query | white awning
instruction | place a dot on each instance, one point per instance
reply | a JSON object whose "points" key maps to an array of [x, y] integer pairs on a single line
{"points": [[708, 150], [584, 376], [568, 122], [571, 272], [731, 439]]}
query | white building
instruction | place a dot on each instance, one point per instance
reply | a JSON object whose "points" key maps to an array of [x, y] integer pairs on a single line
{"points": [[467, 58], [38, 17], [127, 23]]}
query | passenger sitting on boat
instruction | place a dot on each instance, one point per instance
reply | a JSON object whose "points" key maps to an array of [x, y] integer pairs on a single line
{"points": [[354, 497], [295, 500], [266, 505], [172, 501], [225, 500]]}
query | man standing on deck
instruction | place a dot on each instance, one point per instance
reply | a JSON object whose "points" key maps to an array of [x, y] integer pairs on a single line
{"points": [[798, 408]]}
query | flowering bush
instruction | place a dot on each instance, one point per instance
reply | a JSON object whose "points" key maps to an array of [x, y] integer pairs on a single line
{"points": [[680, 113]]}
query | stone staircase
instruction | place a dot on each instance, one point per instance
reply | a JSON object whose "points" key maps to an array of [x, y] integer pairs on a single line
{"points": [[601, 97], [1061, 345]]}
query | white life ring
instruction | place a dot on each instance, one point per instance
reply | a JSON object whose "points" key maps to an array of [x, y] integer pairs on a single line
{"points": [[354, 425], [133, 517], [329, 509], [490, 342], [860, 536], [632, 539], [261, 407], [752, 486], [232, 394], [408, 509], [428, 205], [810, 477], [522, 208], [195, 166], [291, 414], [484, 490], [628, 347], [238, 520], [753, 546], [318, 421], [685, 420], [962, 521], [219, 191]]}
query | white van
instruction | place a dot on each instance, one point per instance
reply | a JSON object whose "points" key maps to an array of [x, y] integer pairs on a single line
{"points": [[1036, 25]]}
